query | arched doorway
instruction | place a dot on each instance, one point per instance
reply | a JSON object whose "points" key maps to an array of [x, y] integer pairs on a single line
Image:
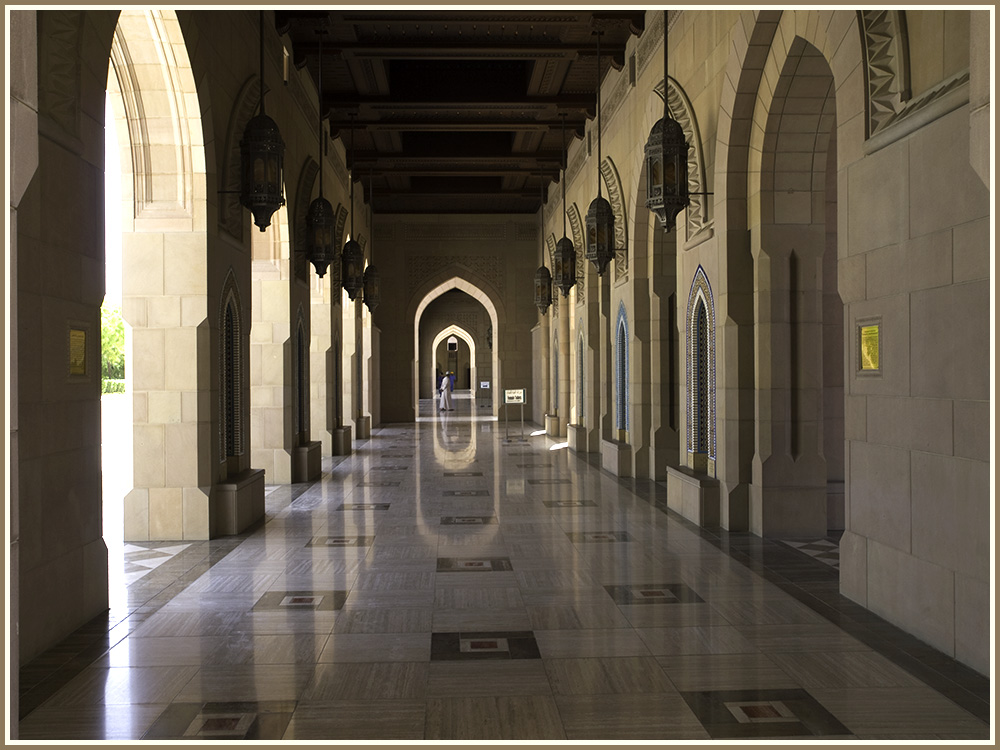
{"points": [[164, 273], [798, 469], [423, 369]]}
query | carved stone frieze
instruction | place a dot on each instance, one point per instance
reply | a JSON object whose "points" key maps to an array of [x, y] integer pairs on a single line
{"points": [[616, 198], [887, 66], [576, 227], [491, 268], [682, 111], [59, 62]]}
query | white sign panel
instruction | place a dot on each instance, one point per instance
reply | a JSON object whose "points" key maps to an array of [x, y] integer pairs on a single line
{"points": [[513, 396], [484, 385]]}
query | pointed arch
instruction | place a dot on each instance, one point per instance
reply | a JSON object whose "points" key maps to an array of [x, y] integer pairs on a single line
{"points": [[492, 304]]}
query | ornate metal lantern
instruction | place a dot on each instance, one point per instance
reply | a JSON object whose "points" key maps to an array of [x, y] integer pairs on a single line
{"points": [[353, 261], [666, 160], [320, 220], [262, 157], [371, 279], [600, 218], [352, 257], [262, 154], [543, 289], [667, 171], [600, 223], [564, 262], [371, 288]]}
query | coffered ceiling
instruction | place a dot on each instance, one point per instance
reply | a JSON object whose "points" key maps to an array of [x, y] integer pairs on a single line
{"points": [[457, 111]]}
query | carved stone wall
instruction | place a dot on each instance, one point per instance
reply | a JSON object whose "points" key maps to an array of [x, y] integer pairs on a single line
{"points": [[616, 198], [576, 227], [491, 268]]}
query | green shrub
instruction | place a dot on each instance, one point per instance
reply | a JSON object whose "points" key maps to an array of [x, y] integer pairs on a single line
{"points": [[112, 386], [112, 345]]}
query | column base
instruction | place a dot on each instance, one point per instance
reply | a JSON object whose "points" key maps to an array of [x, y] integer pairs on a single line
{"points": [[307, 462], [576, 435], [363, 425], [616, 457], [341, 441], [239, 502], [694, 496], [552, 425]]}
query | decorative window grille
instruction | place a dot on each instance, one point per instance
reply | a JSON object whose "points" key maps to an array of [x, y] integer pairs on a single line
{"points": [[231, 372], [621, 371], [700, 369]]}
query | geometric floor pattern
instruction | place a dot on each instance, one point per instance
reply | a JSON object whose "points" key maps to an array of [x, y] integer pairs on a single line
{"points": [[825, 551], [449, 581], [140, 560]]}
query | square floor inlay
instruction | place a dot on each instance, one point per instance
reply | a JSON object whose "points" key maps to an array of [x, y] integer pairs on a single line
{"points": [[581, 537], [320, 601], [473, 564], [463, 473], [484, 645], [654, 593], [378, 484], [341, 541], [550, 481], [468, 520], [397, 455], [569, 503], [215, 721], [745, 714], [363, 506], [390, 468], [466, 493]]}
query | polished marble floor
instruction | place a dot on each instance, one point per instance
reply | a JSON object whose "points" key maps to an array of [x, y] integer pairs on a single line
{"points": [[453, 579]]}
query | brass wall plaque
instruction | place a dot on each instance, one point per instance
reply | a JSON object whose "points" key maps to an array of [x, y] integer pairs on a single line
{"points": [[77, 351], [869, 348]]}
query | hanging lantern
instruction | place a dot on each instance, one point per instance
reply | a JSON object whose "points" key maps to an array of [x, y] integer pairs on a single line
{"points": [[564, 264], [371, 280], [600, 223], [371, 288], [543, 289], [262, 156], [320, 219], [667, 171], [353, 260], [352, 257], [600, 218], [666, 160], [320, 222]]}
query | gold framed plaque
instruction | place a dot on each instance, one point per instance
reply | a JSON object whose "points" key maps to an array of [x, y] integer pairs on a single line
{"points": [[869, 347], [77, 351]]}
